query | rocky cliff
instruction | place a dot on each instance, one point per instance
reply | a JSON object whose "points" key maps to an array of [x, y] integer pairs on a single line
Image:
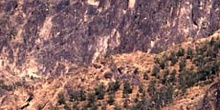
{"points": [[53, 33]]}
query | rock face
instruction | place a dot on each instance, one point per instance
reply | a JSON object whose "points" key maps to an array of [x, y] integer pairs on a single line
{"points": [[78, 31]]}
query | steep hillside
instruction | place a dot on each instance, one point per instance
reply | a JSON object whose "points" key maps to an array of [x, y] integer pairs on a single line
{"points": [[109, 54], [184, 77]]}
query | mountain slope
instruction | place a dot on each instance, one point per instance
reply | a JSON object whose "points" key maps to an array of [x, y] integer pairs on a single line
{"points": [[185, 76]]}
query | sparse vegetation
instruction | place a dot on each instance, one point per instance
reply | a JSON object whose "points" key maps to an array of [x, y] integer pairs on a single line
{"points": [[204, 63]]}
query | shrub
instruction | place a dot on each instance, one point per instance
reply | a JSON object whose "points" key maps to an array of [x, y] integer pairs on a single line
{"points": [[141, 104], [168, 98], [111, 99], [127, 88], [82, 96], [189, 53], [91, 97], [187, 79], [75, 106], [173, 58], [198, 60], [141, 89], [104, 106], [165, 77], [145, 76], [125, 104], [151, 88], [180, 52], [113, 86], [211, 42], [162, 62], [156, 102], [7, 87], [53, 108], [61, 99], [66, 107], [100, 92], [73, 95], [162, 97], [155, 71], [117, 107], [91, 100], [94, 107], [182, 64], [40, 107], [172, 78]]}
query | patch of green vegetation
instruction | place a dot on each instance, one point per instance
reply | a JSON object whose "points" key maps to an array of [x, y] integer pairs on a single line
{"points": [[100, 92], [127, 88], [113, 86], [5, 86]]}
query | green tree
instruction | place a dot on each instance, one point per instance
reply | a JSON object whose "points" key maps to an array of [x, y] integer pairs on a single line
{"points": [[180, 52], [172, 78], [113, 86], [61, 99], [141, 88], [117, 107], [127, 88], [91, 99], [111, 99], [125, 104], [75, 106], [165, 77], [162, 62], [173, 58], [189, 53], [155, 71], [145, 76], [182, 64], [66, 107], [151, 88], [82, 96], [212, 42], [94, 107], [73, 95], [100, 92], [187, 79]]}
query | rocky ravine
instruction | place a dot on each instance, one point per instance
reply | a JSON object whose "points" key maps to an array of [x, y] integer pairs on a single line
{"points": [[53, 33]]}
